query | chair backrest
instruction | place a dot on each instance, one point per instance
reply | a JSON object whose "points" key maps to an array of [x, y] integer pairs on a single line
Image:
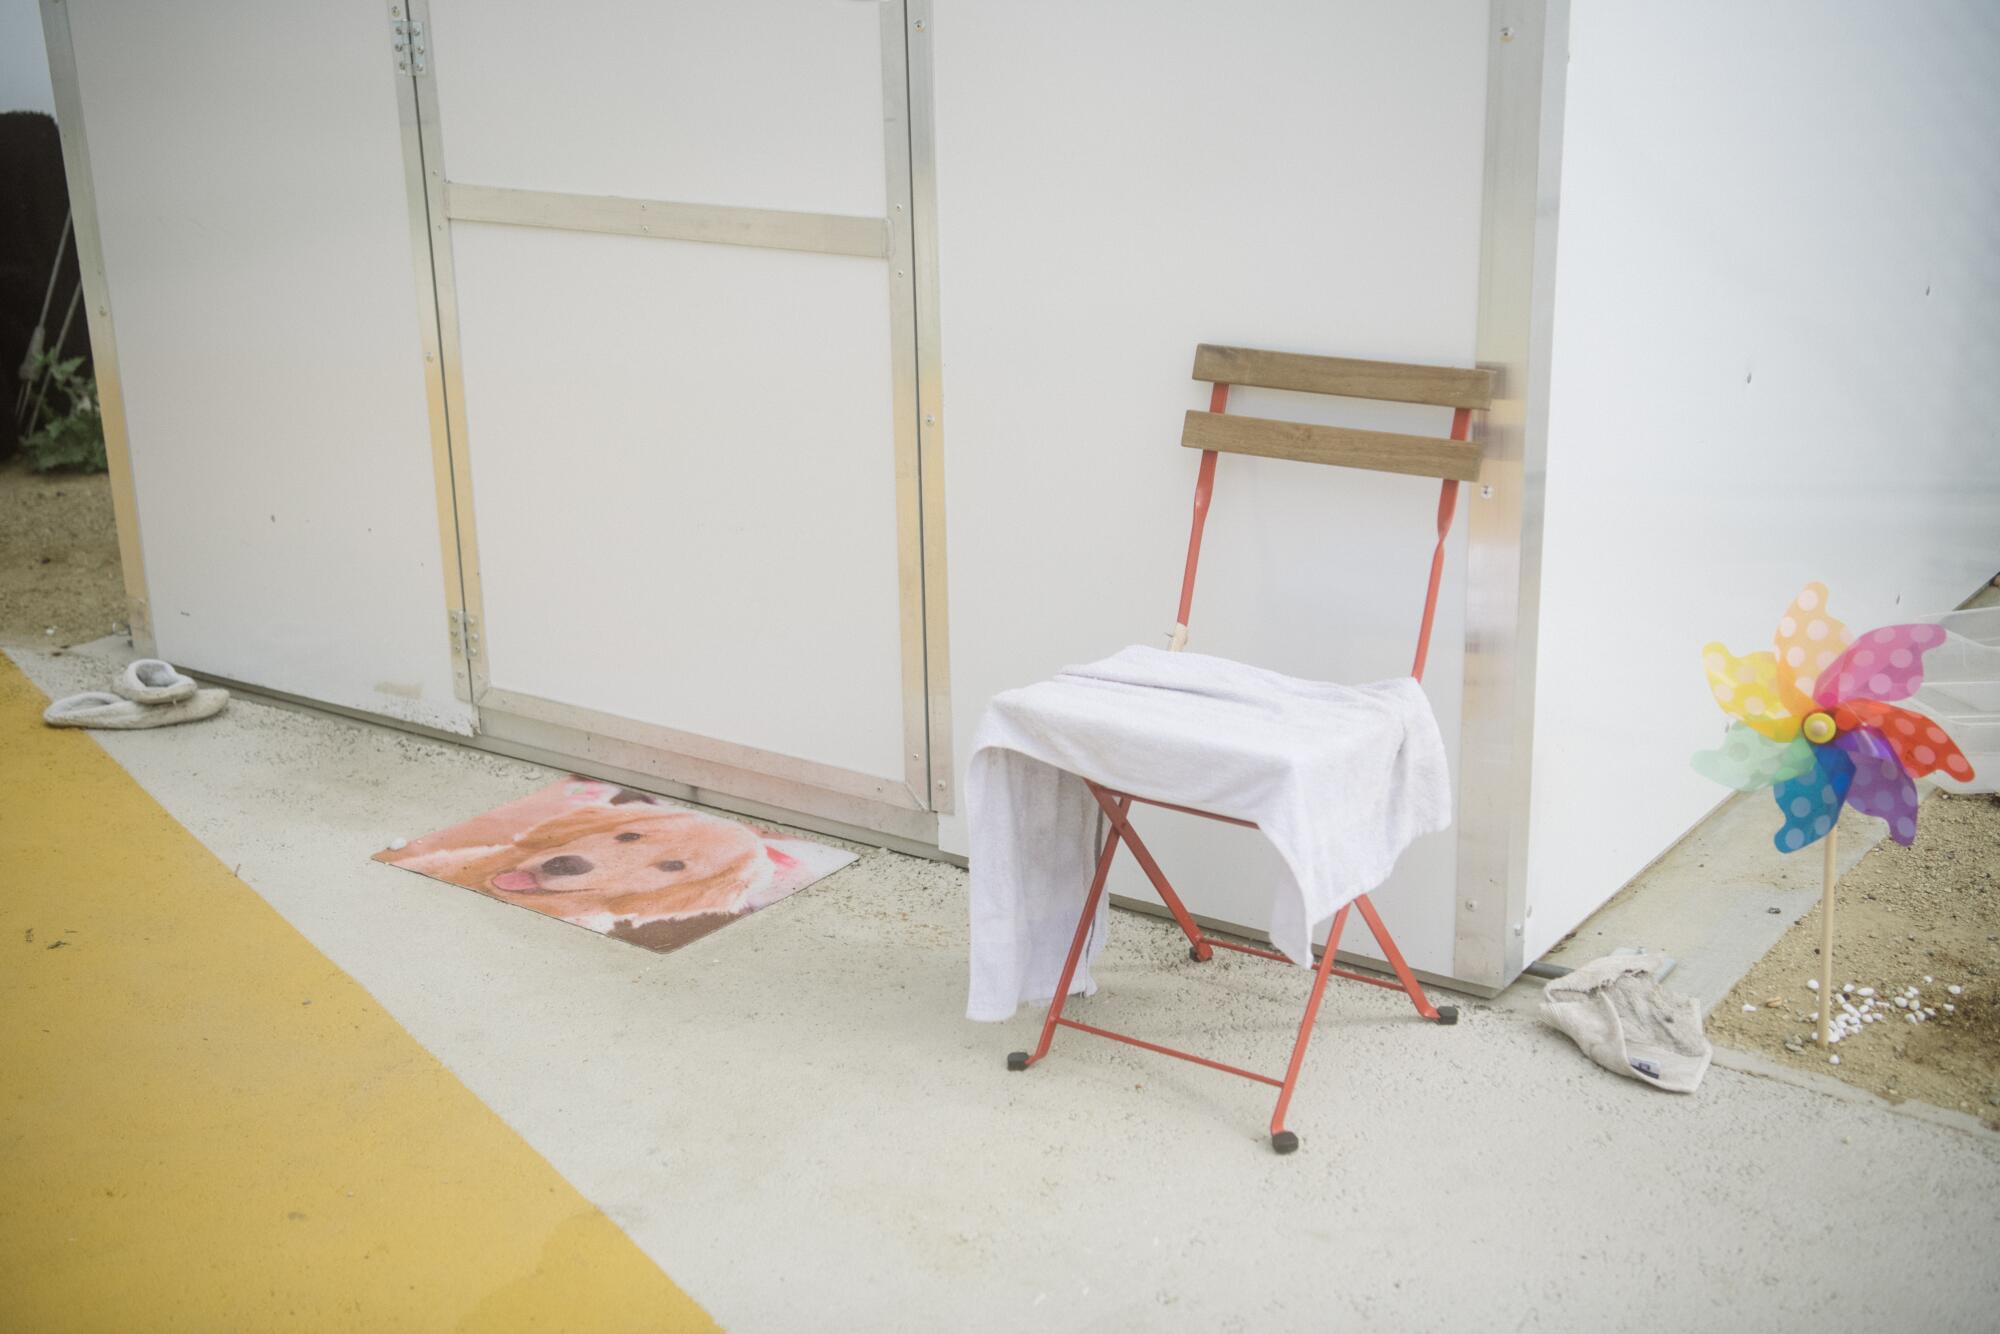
{"points": [[1453, 458]]}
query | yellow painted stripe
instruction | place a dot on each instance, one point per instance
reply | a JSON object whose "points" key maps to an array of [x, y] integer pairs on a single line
{"points": [[205, 1125]]}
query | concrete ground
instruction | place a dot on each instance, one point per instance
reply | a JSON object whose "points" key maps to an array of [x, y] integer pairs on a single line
{"points": [[793, 1121]]}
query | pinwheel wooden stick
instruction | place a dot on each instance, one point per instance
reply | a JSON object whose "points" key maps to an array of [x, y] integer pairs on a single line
{"points": [[1829, 874], [1815, 725]]}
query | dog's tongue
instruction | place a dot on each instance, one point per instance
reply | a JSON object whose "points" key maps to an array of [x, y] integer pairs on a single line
{"points": [[514, 880]]}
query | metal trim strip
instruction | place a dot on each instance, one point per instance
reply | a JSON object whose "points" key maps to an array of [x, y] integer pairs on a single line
{"points": [[668, 220], [1525, 83]]}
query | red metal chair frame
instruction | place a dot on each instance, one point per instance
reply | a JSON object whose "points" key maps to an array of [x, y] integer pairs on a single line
{"points": [[1117, 808]]}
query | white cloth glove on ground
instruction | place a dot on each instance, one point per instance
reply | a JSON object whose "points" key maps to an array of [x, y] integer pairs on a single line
{"points": [[1617, 1012]]}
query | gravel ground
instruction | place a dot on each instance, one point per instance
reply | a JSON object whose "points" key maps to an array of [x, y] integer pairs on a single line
{"points": [[58, 558], [1926, 916]]}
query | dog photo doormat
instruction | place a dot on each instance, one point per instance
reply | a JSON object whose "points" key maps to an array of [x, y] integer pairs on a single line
{"points": [[622, 863]]}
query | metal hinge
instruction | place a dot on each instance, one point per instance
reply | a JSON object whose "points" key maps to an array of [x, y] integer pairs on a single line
{"points": [[464, 634], [409, 41]]}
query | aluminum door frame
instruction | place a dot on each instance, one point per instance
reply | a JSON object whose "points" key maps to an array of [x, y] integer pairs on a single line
{"points": [[707, 768], [87, 238]]}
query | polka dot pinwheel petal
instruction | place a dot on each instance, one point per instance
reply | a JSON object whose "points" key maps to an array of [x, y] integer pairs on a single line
{"points": [[1883, 665], [1880, 788], [1811, 802], [1748, 760], [1808, 641], [1747, 687], [1920, 745]]}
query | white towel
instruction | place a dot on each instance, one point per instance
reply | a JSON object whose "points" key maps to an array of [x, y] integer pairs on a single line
{"points": [[1340, 778]]}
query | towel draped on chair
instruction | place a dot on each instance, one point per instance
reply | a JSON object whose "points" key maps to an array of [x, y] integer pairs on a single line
{"points": [[1340, 779]]}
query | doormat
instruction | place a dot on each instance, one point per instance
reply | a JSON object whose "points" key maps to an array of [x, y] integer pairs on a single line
{"points": [[622, 863]]}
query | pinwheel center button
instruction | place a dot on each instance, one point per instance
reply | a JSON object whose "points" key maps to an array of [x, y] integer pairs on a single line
{"points": [[1819, 728]]}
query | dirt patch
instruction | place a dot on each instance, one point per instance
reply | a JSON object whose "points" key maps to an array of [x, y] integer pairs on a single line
{"points": [[58, 558], [1926, 916]]}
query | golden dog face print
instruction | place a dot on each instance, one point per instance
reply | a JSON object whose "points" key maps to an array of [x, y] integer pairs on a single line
{"points": [[619, 862]]}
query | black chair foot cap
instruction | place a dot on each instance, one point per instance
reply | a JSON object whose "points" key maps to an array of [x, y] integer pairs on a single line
{"points": [[1017, 1060], [1447, 1014], [1284, 1142]]}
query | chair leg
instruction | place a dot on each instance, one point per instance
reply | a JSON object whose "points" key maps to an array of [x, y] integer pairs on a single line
{"points": [[1442, 1014], [1119, 814], [1283, 1140], [1020, 1060]]}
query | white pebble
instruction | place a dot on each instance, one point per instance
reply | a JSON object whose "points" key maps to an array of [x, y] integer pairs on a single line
{"points": [[398, 844], [1833, 1060], [1812, 984], [1914, 1018], [1814, 1016], [1949, 1008], [1848, 987], [1902, 1002], [1748, 1008], [1867, 991], [1928, 979], [1955, 989], [1930, 1012]]}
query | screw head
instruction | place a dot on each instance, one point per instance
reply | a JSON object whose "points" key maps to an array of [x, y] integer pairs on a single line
{"points": [[1506, 34], [920, 25]]}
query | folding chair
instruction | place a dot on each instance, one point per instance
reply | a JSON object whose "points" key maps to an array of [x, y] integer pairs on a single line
{"points": [[1454, 460]]}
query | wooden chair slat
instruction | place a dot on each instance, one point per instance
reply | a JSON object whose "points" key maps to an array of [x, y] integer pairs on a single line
{"points": [[1341, 446], [1345, 377]]}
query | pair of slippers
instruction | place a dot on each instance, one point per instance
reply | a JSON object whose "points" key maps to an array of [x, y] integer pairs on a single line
{"points": [[150, 693]]}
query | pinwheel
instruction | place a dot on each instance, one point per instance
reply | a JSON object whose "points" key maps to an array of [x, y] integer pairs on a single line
{"points": [[1816, 725]]}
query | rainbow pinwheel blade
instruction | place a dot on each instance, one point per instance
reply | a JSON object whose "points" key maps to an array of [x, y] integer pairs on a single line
{"points": [[1881, 787], [1811, 802], [1748, 760]]}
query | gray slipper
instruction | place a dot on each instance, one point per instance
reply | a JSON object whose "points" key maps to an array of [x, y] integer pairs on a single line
{"points": [[153, 681], [99, 708]]}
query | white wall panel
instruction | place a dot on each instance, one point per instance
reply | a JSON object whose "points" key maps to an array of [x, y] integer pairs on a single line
{"points": [[1776, 343], [250, 192], [684, 475], [1118, 182], [775, 104]]}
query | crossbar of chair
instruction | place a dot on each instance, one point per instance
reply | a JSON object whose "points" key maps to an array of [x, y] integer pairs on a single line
{"points": [[1276, 957], [1188, 1056]]}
